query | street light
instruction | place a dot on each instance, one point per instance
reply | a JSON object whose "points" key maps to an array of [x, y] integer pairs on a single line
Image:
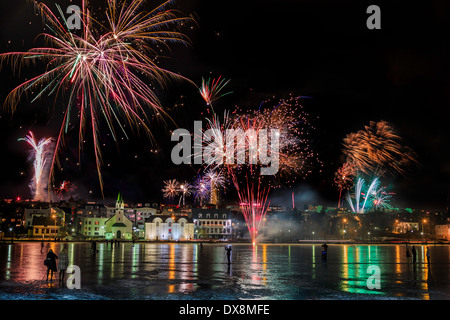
{"points": [[423, 222]]}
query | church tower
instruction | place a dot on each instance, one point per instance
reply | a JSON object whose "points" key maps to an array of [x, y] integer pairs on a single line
{"points": [[120, 208]]}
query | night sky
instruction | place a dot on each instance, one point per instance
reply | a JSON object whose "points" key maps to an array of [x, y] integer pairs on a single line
{"points": [[319, 49]]}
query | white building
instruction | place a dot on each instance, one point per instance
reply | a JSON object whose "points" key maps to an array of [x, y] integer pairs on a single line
{"points": [[212, 223], [166, 227], [143, 211], [406, 226]]}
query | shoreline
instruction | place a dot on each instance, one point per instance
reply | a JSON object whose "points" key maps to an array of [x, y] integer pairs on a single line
{"points": [[221, 242]]}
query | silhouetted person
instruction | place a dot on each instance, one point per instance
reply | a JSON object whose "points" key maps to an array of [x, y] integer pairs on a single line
{"points": [[228, 250], [324, 251], [63, 263], [51, 263], [94, 247], [414, 254], [42, 245], [428, 255]]}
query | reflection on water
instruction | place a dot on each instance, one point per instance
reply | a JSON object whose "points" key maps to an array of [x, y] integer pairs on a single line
{"points": [[267, 271]]}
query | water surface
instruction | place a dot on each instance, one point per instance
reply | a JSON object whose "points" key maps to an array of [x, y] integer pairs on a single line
{"points": [[265, 271]]}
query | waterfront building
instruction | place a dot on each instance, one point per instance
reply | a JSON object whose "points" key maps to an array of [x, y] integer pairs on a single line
{"points": [[169, 227], [443, 231], [212, 223], [44, 227]]}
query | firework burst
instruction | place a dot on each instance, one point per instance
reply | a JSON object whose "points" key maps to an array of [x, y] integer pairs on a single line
{"points": [[103, 69], [378, 149], [291, 127], [381, 199], [64, 188], [171, 189], [201, 190], [372, 197], [343, 178], [240, 144]]}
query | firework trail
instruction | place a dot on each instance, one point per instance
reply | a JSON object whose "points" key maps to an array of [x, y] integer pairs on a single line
{"points": [[343, 178], [378, 149], [42, 155], [102, 70], [185, 189], [253, 203], [215, 179], [374, 196], [210, 90]]}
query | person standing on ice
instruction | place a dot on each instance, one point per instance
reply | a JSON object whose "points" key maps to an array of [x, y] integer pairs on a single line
{"points": [[324, 251], [408, 253], [50, 262], [414, 254], [63, 263], [228, 250]]}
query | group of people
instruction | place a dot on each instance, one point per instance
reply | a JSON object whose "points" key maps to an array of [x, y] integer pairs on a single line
{"points": [[413, 253], [63, 262]]}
